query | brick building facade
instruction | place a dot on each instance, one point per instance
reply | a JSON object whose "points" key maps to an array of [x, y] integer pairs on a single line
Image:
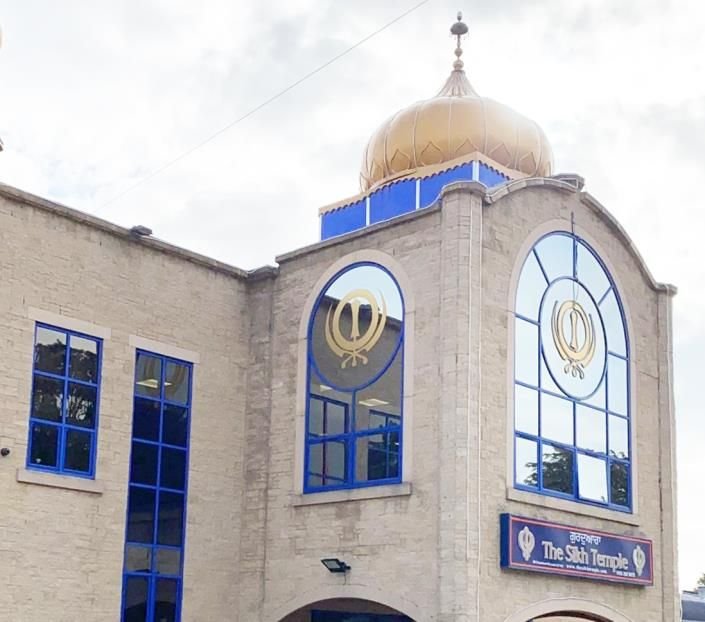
{"points": [[279, 465]]}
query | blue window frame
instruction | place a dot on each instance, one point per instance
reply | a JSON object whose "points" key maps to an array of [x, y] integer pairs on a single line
{"points": [[156, 503], [354, 378], [572, 364], [63, 419]]}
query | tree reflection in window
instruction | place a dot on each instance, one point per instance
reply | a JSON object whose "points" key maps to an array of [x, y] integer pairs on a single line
{"points": [[571, 389], [355, 362]]}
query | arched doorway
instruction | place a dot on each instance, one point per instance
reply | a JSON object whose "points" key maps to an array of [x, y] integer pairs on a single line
{"points": [[567, 610], [346, 610]]}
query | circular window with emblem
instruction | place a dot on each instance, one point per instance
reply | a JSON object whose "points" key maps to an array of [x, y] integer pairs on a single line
{"points": [[357, 326], [571, 372]]}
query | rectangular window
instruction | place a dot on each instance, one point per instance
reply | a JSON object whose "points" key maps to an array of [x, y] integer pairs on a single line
{"points": [[63, 419], [156, 504]]}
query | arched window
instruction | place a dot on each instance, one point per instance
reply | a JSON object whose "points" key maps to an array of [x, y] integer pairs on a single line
{"points": [[354, 378], [571, 389]]}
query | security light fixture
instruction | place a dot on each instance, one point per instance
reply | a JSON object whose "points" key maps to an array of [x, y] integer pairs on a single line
{"points": [[335, 565]]}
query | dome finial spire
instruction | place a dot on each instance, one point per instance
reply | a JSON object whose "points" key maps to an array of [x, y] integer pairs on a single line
{"points": [[457, 84], [458, 30]]}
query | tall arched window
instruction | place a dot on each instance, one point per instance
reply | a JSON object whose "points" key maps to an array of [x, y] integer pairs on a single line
{"points": [[354, 399], [571, 389]]}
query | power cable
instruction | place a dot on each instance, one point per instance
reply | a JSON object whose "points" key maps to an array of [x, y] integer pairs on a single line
{"points": [[266, 102]]}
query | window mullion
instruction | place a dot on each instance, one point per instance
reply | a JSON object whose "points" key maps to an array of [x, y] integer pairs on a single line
{"points": [[351, 457]]}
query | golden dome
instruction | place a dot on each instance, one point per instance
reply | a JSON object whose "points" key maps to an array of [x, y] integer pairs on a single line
{"points": [[452, 125]]}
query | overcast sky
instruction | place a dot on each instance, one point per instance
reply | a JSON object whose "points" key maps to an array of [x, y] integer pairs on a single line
{"points": [[96, 95]]}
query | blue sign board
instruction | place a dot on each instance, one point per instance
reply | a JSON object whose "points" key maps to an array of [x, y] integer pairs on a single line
{"points": [[541, 546]]}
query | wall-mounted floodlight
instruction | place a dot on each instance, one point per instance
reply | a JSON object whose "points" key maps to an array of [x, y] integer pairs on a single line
{"points": [[335, 565]]}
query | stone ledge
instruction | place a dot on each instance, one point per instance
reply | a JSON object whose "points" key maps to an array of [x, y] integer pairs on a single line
{"points": [[54, 480], [572, 507], [354, 494]]}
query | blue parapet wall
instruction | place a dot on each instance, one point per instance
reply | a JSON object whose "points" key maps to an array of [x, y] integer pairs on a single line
{"points": [[402, 197]]}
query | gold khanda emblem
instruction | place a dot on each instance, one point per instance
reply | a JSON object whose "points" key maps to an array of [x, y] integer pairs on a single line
{"points": [[351, 348], [577, 356], [527, 542], [639, 558]]}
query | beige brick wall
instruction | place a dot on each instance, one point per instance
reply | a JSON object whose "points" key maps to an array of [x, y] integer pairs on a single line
{"points": [[61, 551], [428, 548]]}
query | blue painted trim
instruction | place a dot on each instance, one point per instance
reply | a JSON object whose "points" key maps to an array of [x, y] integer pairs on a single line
{"points": [[351, 435], [152, 576], [62, 426], [573, 448], [395, 199], [344, 219]]}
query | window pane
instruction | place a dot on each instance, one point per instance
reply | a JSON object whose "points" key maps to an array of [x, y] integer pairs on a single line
{"points": [[78, 451], [168, 561], [315, 417], [377, 456], [145, 421], [526, 410], [619, 437], [525, 462], [619, 483], [334, 460], [143, 468], [382, 397], [177, 382], [547, 382], [140, 515], [171, 515], [592, 478], [136, 599], [599, 398], [45, 441], [614, 325], [591, 430], [315, 481], [83, 359], [81, 405], [328, 460], [336, 415], [527, 352], [175, 430], [148, 376], [137, 558], [617, 385], [557, 469], [315, 458], [50, 351], [47, 398], [556, 419], [556, 255], [590, 273], [173, 468], [532, 285], [165, 600]]}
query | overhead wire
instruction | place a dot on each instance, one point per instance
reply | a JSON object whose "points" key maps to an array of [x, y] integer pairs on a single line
{"points": [[261, 105]]}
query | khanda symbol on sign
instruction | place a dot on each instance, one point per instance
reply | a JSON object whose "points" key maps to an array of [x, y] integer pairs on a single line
{"points": [[351, 349], [576, 356]]}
